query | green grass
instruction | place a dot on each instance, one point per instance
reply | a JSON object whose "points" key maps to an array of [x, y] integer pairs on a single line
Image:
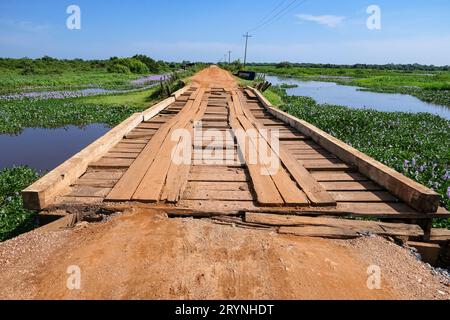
{"points": [[429, 86], [416, 145], [140, 99], [14, 220], [11, 82], [111, 110]]}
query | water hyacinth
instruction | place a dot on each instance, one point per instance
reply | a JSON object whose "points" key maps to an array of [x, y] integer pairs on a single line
{"points": [[46, 95]]}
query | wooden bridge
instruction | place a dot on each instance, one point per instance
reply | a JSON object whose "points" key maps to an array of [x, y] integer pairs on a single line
{"points": [[319, 177]]}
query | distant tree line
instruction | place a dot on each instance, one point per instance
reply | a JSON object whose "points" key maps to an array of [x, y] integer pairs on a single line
{"points": [[138, 64], [391, 66]]}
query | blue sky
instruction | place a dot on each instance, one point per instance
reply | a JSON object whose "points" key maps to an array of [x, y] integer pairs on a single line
{"points": [[325, 31]]}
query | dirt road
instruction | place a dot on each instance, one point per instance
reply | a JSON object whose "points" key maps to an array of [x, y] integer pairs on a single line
{"points": [[145, 255]]}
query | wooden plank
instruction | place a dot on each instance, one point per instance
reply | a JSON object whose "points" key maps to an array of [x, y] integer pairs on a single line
{"points": [[96, 183], [43, 193], [88, 191], [103, 174], [123, 150], [220, 186], [225, 195], [177, 176], [111, 163], [266, 191], [152, 183], [322, 176], [139, 135], [414, 194], [333, 227], [351, 186], [230, 177], [363, 196], [440, 235], [120, 155], [344, 232], [250, 94], [313, 190], [157, 108], [219, 207]]}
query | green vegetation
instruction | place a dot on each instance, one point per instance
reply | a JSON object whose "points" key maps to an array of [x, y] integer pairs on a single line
{"points": [[17, 75], [14, 220], [111, 110], [128, 65], [430, 84], [416, 145]]}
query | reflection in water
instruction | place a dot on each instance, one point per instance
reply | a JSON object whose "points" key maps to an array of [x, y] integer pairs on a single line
{"points": [[332, 93], [45, 149]]}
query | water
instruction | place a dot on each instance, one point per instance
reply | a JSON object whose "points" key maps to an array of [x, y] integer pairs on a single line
{"points": [[351, 96], [45, 149], [44, 95]]}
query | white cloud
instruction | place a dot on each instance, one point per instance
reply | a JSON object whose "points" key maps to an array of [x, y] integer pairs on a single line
{"points": [[328, 20]]}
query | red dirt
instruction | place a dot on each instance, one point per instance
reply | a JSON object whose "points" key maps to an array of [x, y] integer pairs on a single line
{"points": [[145, 255]]}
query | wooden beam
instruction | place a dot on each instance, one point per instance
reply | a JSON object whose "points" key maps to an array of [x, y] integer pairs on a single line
{"points": [[43, 192], [414, 194]]}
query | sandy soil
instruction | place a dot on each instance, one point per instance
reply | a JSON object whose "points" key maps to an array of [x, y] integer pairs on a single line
{"points": [[145, 255]]}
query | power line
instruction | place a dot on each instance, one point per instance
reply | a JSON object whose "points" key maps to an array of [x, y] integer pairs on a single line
{"points": [[275, 15], [292, 5], [246, 36], [272, 11]]}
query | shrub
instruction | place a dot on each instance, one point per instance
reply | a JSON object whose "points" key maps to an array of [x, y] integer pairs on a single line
{"points": [[118, 68], [129, 65]]}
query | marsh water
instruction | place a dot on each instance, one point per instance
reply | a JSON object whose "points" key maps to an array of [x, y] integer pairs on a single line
{"points": [[45, 149], [353, 97]]}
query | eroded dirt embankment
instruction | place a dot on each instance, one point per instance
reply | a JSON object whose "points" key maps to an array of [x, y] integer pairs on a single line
{"points": [[145, 255]]}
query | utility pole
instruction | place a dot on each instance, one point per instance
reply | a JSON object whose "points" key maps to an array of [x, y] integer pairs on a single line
{"points": [[246, 36], [229, 57]]}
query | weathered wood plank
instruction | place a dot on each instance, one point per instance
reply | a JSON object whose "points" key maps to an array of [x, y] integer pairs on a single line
{"points": [[225, 195], [351, 186], [111, 163], [327, 227], [363, 196]]}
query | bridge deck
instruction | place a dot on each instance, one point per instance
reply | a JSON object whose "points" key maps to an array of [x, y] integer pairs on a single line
{"points": [[317, 174]]}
